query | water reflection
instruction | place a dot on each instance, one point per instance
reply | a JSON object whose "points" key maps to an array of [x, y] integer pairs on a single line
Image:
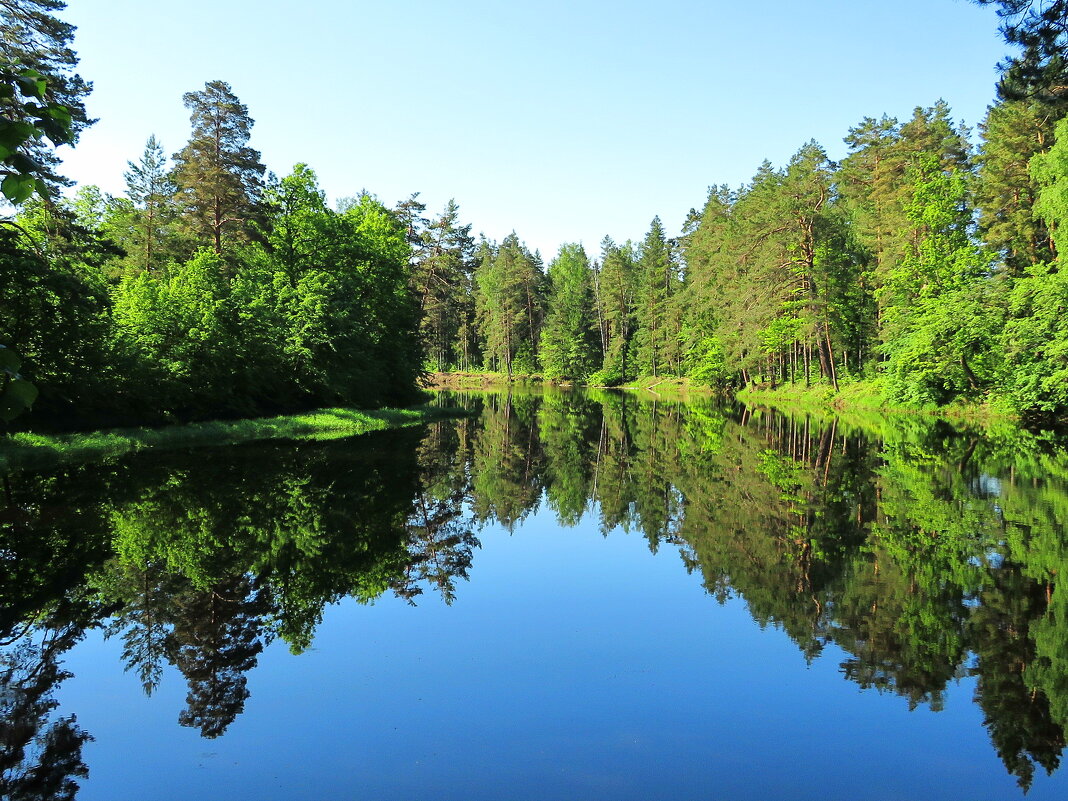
{"points": [[925, 552]]}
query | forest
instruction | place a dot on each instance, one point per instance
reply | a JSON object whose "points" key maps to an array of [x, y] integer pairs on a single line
{"points": [[925, 264]]}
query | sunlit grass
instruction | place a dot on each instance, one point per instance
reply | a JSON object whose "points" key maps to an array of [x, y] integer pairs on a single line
{"points": [[867, 395], [322, 424]]}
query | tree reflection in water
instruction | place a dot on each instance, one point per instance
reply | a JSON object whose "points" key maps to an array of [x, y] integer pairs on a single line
{"points": [[925, 552]]}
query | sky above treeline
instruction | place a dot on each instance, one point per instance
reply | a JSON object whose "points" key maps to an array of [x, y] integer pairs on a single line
{"points": [[564, 121]]}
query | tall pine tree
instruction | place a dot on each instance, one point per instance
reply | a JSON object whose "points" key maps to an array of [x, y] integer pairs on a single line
{"points": [[219, 177]]}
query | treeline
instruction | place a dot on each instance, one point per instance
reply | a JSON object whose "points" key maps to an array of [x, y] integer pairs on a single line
{"points": [[208, 288], [918, 262], [921, 263]]}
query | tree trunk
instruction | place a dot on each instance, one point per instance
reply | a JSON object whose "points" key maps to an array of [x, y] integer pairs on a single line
{"points": [[830, 355]]}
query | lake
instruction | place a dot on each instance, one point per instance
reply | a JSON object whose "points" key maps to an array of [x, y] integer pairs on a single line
{"points": [[560, 595]]}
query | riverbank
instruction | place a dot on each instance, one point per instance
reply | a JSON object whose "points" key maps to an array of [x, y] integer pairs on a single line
{"points": [[866, 396], [467, 380], [671, 385], [24, 448]]}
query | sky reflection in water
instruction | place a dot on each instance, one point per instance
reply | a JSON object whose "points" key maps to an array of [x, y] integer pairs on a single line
{"points": [[904, 556]]}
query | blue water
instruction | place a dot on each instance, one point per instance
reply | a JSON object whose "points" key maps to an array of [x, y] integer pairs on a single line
{"points": [[572, 666], [545, 658]]}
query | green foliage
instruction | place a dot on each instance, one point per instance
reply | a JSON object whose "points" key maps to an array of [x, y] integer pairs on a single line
{"points": [[1050, 170], [1013, 133], [568, 347], [705, 363], [1035, 341], [16, 393], [949, 349], [443, 261], [938, 318], [54, 314], [509, 304], [656, 284], [615, 290], [218, 176], [174, 328], [41, 98]]}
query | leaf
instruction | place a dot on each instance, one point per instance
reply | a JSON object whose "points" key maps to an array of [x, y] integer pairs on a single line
{"points": [[9, 360], [23, 163], [14, 133], [17, 188], [60, 113], [17, 397], [32, 84]]}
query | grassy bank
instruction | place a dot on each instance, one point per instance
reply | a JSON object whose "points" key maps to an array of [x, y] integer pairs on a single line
{"points": [[866, 395], [25, 448], [860, 396]]}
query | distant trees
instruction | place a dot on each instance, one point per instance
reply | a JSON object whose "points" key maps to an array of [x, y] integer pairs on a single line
{"points": [[568, 346], [150, 191], [442, 277], [657, 283], [509, 295], [920, 264], [616, 284]]}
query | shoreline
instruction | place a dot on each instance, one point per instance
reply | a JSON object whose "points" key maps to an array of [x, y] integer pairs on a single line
{"points": [[860, 396], [24, 448]]}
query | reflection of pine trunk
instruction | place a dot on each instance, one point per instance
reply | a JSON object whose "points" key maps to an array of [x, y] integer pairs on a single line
{"points": [[967, 457], [830, 452], [830, 354], [600, 453]]}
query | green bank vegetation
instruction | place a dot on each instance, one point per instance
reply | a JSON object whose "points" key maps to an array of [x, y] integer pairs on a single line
{"points": [[25, 448], [920, 271]]}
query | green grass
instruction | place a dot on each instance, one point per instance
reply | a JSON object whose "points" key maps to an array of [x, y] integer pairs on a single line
{"points": [[867, 395], [25, 448]]}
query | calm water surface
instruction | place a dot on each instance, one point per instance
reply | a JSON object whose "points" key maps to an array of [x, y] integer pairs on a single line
{"points": [[561, 596]]}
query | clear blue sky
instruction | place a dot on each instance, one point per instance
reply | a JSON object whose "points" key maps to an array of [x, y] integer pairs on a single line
{"points": [[564, 121]]}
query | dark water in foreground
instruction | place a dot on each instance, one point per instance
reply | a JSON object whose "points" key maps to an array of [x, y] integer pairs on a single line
{"points": [[561, 597]]}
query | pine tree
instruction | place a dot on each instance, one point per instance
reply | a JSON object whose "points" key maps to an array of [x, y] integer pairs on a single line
{"points": [[150, 190], [568, 346], [410, 214], [1040, 30], [441, 275], [656, 283], [219, 177], [616, 280], [509, 304], [1013, 133], [37, 71]]}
